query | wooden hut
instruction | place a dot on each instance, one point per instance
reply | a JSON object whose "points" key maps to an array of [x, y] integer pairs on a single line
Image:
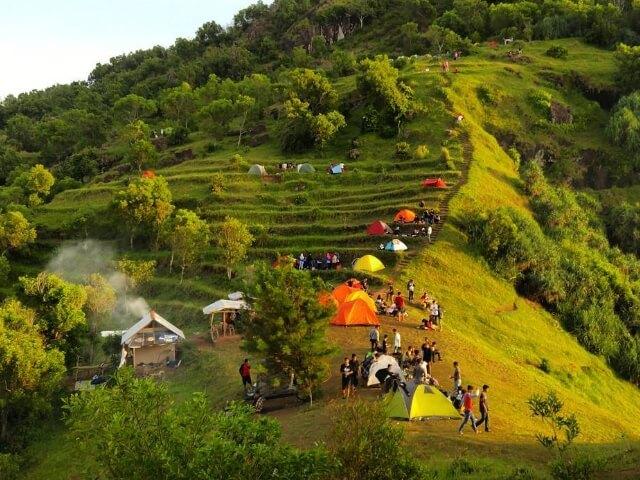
{"points": [[151, 341]]}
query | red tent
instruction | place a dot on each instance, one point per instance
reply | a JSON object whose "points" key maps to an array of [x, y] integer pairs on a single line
{"points": [[378, 228], [434, 182]]}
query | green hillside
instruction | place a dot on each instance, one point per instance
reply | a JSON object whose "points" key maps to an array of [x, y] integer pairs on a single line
{"points": [[533, 125]]}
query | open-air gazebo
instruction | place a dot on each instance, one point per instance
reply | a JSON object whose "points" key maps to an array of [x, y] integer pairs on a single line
{"points": [[227, 311]]}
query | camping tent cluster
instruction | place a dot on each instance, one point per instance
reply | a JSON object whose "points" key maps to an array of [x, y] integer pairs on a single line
{"points": [[260, 171], [355, 307]]}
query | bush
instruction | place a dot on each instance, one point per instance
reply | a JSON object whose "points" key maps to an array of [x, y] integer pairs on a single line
{"points": [[579, 468], [211, 147], [421, 152], [353, 154], [238, 163], [557, 51], [403, 150], [520, 473], [515, 155], [177, 135], [486, 95], [544, 366], [451, 165], [461, 466], [401, 62], [217, 183], [445, 156], [9, 467], [540, 100]]}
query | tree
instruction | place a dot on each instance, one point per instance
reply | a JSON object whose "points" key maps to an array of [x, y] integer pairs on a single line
{"points": [[443, 39], [9, 160], [300, 129], [29, 371], [216, 116], [325, 127], [36, 184], [624, 124], [59, 307], [135, 272], [145, 203], [134, 107], [289, 324], [234, 239], [314, 89], [23, 130], [244, 106], [356, 423], [15, 231], [141, 432], [179, 103], [379, 84], [344, 63], [628, 61], [188, 237], [140, 150], [101, 301]]}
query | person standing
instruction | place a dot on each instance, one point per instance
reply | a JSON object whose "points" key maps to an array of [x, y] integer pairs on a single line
{"points": [[429, 232], [427, 355], [385, 344], [389, 293], [354, 363], [397, 342], [399, 302], [467, 406], [435, 352], [345, 373], [456, 376], [411, 287], [374, 337], [484, 409], [245, 374]]}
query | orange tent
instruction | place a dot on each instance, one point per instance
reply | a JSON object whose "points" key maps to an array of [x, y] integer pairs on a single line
{"points": [[355, 313], [342, 291], [434, 182], [362, 295], [405, 216]]}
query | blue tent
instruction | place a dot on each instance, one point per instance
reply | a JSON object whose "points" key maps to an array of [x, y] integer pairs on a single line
{"points": [[395, 245], [337, 168]]}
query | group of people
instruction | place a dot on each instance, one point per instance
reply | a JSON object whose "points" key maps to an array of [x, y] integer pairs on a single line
{"points": [[327, 261], [392, 305], [381, 344], [349, 374]]}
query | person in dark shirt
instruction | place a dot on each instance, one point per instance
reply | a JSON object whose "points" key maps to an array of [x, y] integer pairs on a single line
{"points": [[355, 370], [484, 409], [384, 343], [382, 374]]}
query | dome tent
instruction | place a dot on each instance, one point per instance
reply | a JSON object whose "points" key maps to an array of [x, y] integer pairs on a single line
{"points": [[423, 402], [383, 361], [379, 228], [355, 313], [363, 297], [342, 291], [336, 169], [434, 182], [258, 170], [306, 168], [368, 263], [395, 245], [405, 216]]}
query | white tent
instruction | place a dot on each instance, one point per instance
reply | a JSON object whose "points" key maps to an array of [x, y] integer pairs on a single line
{"points": [[225, 305], [395, 245], [383, 361], [150, 340], [235, 296]]}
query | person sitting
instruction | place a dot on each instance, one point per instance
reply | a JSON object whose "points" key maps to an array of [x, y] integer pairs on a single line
{"points": [[427, 324], [424, 300]]}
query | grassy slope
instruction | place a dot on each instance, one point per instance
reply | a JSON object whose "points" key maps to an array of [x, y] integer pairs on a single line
{"points": [[496, 343]]}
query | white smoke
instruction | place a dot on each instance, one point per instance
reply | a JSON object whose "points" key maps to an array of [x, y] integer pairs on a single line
{"points": [[76, 260]]}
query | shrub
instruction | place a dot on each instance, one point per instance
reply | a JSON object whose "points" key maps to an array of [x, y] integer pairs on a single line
{"points": [[9, 467], [544, 366], [557, 51], [445, 156], [353, 154], [421, 152], [486, 95], [217, 183], [579, 468], [520, 473], [177, 135], [211, 147], [461, 466], [451, 165], [540, 100], [238, 162], [401, 62], [301, 199], [515, 155], [403, 150]]}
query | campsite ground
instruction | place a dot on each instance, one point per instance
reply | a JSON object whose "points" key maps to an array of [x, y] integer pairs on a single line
{"points": [[499, 338]]}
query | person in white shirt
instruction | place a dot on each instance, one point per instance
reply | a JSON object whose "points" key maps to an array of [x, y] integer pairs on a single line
{"points": [[397, 342], [429, 232]]}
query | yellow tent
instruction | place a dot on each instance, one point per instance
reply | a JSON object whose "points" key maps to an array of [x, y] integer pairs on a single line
{"points": [[362, 295], [424, 401], [368, 263]]}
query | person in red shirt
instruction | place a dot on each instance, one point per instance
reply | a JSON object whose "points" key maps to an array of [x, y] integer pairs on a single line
{"points": [[467, 405], [399, 302], [245, 373]]}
